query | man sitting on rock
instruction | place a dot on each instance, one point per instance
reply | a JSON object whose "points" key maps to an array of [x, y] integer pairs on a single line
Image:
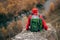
{"points": [[36, 22]]}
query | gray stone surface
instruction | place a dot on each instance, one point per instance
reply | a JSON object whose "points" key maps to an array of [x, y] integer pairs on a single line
{"points": [[50, 34]]}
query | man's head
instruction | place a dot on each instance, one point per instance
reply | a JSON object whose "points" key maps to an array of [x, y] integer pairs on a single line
{"points": [[35, 11]]}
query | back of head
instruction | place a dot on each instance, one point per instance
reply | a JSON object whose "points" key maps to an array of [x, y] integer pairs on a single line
{"points": [[34, 11]]}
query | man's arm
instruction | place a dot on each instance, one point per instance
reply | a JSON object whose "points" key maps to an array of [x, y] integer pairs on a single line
{"points": [[28, 23], [44, 23]]}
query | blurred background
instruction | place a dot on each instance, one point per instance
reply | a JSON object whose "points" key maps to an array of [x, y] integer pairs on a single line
{"points": [[14, 15]]}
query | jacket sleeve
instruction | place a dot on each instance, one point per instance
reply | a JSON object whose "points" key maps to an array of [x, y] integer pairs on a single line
{"points": [[28, 23], [44, 23]]}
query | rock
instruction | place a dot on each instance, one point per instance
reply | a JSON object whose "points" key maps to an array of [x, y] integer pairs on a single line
{"points": [[43, 35]]}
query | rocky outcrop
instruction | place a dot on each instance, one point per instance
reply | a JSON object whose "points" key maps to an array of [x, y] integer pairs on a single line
{"points": [[43, 35]]}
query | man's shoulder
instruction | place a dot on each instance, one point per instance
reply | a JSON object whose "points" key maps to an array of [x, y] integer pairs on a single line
{"points": [[30, 16]]}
